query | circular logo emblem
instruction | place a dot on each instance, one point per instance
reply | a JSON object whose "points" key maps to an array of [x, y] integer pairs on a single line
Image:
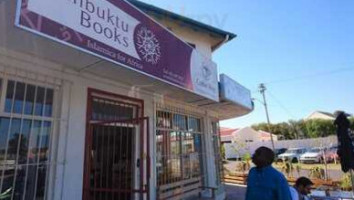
{"points": [[206, 71], [148, 45]]}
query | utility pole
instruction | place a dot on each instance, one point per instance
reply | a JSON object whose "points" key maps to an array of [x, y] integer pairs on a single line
{"points": [[262, 89]]}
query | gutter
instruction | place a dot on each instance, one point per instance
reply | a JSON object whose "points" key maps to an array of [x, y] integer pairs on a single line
{"points": [[217, 46]]}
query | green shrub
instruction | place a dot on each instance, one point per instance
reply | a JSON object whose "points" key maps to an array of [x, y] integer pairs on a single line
{"points": [[317, 172], [346, 182]]}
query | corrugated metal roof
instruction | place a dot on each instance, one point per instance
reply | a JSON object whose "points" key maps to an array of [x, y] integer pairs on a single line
{"points": [[188, 21]]}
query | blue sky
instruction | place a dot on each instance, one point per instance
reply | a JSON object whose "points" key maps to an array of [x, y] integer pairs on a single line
{"points": [[282, 40]]}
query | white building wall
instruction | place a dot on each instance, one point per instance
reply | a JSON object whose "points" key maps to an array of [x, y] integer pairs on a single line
{"points": [[67, 180], [247, 134], [201, 40], [68, 176], [318, 115]]}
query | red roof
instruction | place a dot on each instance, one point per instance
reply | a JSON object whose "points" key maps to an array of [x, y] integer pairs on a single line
{"points": [[264, 134], [227, 131]]}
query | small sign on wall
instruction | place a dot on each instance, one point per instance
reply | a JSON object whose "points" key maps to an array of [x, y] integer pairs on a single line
{"points": [[232, 91]]}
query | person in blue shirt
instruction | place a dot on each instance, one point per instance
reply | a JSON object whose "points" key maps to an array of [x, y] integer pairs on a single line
{"points": [[264, 182]]}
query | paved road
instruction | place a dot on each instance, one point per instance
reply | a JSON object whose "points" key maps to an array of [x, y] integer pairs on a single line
{"points": [[235, 192]]}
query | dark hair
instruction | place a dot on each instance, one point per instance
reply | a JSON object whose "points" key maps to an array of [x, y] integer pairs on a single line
{"points": [[303, 181], [263, 157]]}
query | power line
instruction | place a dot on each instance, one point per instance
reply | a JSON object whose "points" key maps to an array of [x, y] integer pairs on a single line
{"points": [[281, 105], [297, 78], [297, 129]]}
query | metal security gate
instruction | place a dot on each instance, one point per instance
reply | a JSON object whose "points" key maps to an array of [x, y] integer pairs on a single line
{"points": [[117, 161]]}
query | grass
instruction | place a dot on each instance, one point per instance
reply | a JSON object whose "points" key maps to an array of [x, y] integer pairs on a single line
{"points": [[330, 166]]}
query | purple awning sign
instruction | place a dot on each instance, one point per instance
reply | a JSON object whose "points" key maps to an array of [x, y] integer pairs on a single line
{"points": [[119, 32]]}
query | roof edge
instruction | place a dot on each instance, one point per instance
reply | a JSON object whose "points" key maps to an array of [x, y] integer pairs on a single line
{"points": [[172, 15]]}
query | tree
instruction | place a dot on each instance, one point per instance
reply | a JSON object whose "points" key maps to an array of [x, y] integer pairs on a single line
{"points": [[351, 119], [300, 129], [320, 128]]}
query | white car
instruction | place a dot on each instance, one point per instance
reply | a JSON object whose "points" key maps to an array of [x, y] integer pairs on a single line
{"points": [[314, 155], [318, 155], [292, 154]]}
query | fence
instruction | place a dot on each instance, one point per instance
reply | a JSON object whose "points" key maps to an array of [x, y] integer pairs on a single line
{"points": [[238, 148]]}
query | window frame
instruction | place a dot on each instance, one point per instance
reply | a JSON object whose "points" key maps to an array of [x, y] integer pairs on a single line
{"points": [[52, 139], [162, 130]]}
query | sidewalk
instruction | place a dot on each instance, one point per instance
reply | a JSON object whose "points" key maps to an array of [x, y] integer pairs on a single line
{"points": [[235, 192]]}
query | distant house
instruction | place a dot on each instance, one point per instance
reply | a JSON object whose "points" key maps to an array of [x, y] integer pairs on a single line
{"points": [[265, 136], [247, 135], [320, 115], [227, 134]]}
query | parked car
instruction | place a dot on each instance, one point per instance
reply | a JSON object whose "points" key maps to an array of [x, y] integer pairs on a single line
{"points": [[331, 154], [319, 155], [292, 154], [279, 151], [314, 155]]}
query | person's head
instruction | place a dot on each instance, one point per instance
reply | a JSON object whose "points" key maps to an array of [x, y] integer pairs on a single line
{"points": [[263, 157], [303, 185]]}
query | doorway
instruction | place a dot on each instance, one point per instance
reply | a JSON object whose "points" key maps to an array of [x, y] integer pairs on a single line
{"points": [[116, 145]]}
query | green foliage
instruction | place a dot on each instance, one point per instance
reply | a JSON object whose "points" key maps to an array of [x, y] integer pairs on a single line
{"points": [[6, 194], [300, 129], [351, 123], [247, 157], [346, 182], [222, 151], [317, 172], [288, 168], [298, 169], [320, 128]]}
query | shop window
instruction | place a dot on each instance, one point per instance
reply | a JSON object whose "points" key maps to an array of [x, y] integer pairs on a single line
{"points": [[179, 122], [25, 139], [194, 124], [164, 120], [28, 99], [179, 147]]}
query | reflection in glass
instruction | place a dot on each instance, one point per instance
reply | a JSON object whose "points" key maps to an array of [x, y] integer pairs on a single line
{"points": [[24, 143], [45, 141], [164, 120], [179, 122], [48, 106], [179, 151], [14, 140], [24, 139], [4, 127], [29, 102], [19, 97], [22, 159], [39, 101], [193, 124], [107, 110], [9, 96]]}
